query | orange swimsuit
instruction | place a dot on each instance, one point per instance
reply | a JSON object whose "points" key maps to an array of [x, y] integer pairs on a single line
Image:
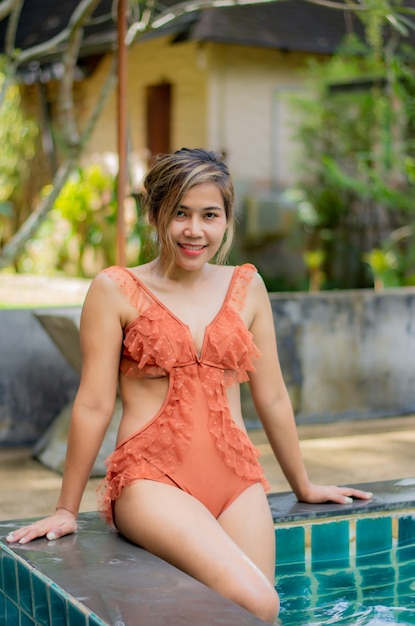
{"points": [[192, 442]]}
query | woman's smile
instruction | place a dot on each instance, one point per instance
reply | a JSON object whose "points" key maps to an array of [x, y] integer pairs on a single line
{"points": [[192, 249]]}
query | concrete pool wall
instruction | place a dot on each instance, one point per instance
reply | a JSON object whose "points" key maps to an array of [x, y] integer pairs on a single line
{"points": [[344, 354]]}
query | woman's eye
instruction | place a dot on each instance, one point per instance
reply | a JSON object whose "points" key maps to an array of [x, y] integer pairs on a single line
{"points": [[210, 215]]}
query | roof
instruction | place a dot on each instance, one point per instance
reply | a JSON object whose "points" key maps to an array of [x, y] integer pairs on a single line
{"points": [[282, 24]]}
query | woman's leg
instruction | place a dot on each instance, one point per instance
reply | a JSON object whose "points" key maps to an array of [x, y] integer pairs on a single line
{"points": [[248, 521], [176, 527]]}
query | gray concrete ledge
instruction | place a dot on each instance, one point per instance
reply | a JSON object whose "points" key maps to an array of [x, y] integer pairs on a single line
{"points": [[345, 355], [36, 381], [117, 581]]}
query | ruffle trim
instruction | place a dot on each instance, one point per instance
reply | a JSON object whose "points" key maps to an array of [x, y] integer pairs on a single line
{"points": [[155, 342], [156, 449], [233, 443]]}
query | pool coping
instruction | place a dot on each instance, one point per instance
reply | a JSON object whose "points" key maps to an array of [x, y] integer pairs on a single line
{"points": [[388, 495], [85, 578]]}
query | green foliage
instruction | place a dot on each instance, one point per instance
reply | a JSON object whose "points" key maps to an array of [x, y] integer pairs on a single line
{"points": [[78, 237], [18, 140], [393, 265], [358, 136]]}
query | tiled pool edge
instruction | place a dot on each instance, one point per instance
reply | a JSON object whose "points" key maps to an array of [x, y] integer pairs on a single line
{"points": [[312, 540], [102, 580], [388, 495], [29, 597], [312, 525]]}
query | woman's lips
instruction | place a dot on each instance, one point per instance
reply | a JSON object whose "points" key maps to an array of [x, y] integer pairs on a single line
{"points": [[190, 249]]}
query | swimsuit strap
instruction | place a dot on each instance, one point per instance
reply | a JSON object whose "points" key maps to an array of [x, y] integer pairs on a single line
{"points": [[243, 276], [130, 287]]}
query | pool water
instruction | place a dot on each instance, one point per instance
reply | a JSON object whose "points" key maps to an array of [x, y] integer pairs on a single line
{"points": [[357, 572]]}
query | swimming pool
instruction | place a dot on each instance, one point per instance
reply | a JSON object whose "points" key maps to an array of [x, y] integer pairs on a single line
{"points": [[355, 569], [346, 565]]}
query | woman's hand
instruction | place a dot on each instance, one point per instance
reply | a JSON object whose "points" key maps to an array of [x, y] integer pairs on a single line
{"points": [[317, 494], [62, 523]]}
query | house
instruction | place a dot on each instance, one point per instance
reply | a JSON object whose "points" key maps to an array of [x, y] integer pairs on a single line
{"points": [[214, 77], [217, 77]]}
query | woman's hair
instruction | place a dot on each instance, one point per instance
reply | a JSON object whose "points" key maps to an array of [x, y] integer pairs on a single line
{"points": [[170, 178]]}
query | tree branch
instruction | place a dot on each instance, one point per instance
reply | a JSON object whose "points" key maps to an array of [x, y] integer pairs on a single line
{"points": [[66, 105], [15, 246], [106, 89], [12, 25], [77, 19], [6, 7]]}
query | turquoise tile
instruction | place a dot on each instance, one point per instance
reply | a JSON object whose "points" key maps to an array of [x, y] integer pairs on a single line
{"points": [[406, 572], [76, 616], [2, 552], [406, 532], [373, 541], [377, 582], [58, 606], [10, 577], [24, 587], [12, 613], [406, 539], [405, 554], [332, 580], [405, 589], [295, 589], [330, 545], [25, 620], [40, 599], [290, 552], [2, 608]]}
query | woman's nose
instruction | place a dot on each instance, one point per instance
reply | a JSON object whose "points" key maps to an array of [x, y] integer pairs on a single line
{"points": [[193, 227]]}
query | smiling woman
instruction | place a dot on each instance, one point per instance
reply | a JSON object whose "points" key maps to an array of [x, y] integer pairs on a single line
{"points": [[199, 226], [175, 338]]}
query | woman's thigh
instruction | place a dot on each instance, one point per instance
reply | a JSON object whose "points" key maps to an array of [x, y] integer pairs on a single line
{"points": [[178, 528], [248, 521]]}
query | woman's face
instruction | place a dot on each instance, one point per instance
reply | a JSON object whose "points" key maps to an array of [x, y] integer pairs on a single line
{"points": [[198, 227]]}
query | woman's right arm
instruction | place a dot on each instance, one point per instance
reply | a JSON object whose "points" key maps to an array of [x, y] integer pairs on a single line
{"points": [[101, 340]]}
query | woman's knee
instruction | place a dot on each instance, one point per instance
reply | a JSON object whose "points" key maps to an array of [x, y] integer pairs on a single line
{"points": [[267, 606], [258, 596]]}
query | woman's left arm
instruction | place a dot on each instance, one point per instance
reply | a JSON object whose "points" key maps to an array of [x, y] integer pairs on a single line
{"points": [[274, 408]]}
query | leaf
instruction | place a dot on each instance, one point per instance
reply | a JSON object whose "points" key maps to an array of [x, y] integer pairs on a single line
{"points": [[397, 24]]}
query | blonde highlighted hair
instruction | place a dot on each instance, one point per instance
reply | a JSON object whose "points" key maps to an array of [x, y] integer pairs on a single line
{"points": [[170, 178]]}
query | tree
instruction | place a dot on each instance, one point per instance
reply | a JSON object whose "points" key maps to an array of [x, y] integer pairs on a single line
{"points": [[359, 154], [144, 14]]}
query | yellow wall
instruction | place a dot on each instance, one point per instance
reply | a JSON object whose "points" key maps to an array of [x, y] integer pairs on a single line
{"points": [[152, 63], [224, 97]]}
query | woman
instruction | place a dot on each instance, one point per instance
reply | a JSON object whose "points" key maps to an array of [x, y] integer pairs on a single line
{"points": [[176, 337]]}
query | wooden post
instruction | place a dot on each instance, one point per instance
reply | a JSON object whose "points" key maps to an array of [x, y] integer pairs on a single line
{"points": [[122, 132]]}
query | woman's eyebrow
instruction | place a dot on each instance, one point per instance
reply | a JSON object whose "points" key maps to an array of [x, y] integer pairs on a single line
{"points": [[216, 207]]}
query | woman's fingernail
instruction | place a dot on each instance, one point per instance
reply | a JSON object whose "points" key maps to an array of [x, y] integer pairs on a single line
{"points": [[22, 540], [51, 536], [369, 493], [10, 537], [348, 500]]}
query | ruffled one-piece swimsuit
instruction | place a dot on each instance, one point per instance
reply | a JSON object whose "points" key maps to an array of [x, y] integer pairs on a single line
{"points": [[192, 442]]}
